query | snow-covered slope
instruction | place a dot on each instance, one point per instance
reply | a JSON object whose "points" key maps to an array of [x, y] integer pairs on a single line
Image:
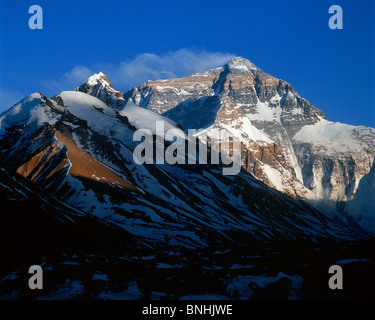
{"points": [[81, 149], [27, 112], [319, 160], [142, 118], [333, 137], [336, 159]]}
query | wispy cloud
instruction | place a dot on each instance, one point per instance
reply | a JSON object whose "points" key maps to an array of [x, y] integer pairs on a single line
{"points": [[145, 66], [149, 66], [69, 81]]}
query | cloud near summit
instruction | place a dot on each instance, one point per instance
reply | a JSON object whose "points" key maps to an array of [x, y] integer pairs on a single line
{"points": [[146, 66]]}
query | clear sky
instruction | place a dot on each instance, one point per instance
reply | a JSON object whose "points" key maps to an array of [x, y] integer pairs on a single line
{"points": [[133, 41]]}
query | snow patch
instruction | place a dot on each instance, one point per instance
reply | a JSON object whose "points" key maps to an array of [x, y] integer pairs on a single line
{"points": [[333, 136], [274, 176], [146, 119]]}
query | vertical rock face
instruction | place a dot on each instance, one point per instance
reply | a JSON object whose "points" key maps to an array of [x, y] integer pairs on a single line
{"points": [[162, 95], [319, 159], [270, 104]]}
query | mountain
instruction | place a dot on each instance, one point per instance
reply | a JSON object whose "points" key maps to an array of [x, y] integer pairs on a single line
{"points": [[101, 87], [34, 225], [81, 150], [84, 257], [289, 144], [75, 199]]}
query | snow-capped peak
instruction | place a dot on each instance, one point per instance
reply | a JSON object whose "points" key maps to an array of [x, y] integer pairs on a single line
{"points": [[241, 65], [24, 111], [99, 78], [98, 85]]}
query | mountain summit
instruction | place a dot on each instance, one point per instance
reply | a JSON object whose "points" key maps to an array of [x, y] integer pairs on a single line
{"points": [[242, 66], [98, 85]]}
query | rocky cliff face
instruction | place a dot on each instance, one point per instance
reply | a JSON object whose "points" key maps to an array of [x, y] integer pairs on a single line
{"points": [[287, 143], [163, 95], [319, 159]]}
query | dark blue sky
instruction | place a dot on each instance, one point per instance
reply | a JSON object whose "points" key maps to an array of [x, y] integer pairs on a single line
{"points": [[290, 39]]}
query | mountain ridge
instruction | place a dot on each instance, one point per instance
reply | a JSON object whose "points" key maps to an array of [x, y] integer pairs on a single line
{"points": [[104, 227], [262, 111], [175, 205], [240, 94]]}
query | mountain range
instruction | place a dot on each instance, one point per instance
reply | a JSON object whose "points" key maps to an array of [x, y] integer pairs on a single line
{"points": [[68, 161], [287, 142]]}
